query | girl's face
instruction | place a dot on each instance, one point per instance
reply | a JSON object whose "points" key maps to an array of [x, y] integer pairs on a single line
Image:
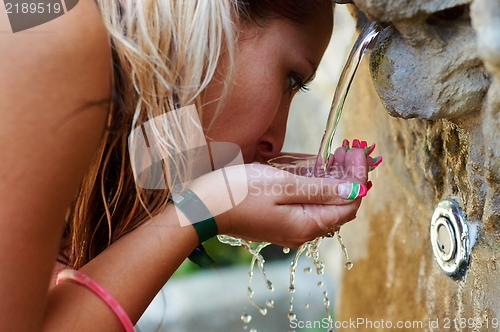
{"points": [[272, 64]]}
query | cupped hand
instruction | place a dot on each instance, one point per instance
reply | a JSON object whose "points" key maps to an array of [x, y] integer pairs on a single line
{"points": [[282, 207]]}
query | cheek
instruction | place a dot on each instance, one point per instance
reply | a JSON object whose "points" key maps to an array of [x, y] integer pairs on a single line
{"points": [[253, 104]]}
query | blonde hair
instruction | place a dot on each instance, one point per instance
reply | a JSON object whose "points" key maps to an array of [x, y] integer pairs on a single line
{"points": [[165, 53]]}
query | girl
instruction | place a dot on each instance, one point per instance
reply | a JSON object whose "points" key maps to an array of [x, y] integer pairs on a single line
{"points": [[71, 91]]}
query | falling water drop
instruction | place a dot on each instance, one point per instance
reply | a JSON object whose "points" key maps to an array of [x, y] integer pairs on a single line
{"points": [[326, 302], [253, 330], [286, 250], [292, 316], [270, 303], [321, 284], [349, 265], [306, 306], [307, 270], [246, 318]]}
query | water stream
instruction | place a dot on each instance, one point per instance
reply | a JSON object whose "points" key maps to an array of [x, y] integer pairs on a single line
{"points": [[369, 32]]}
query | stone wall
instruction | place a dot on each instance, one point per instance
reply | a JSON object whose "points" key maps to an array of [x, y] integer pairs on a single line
{"points": [[436, 71]]}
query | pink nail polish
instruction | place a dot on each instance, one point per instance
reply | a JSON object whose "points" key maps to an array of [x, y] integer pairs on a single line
{"points": [[371, 148], [363, 190], [378, 161], [369, 185]]}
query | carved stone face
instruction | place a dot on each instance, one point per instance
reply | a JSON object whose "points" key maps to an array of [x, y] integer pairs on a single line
{"points": [[426, 64]]}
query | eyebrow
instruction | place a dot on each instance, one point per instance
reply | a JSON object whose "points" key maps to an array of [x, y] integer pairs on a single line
{"points": [[314, 67]]}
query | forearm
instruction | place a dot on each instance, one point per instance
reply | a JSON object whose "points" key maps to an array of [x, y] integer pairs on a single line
{"points": [[132, 270]]}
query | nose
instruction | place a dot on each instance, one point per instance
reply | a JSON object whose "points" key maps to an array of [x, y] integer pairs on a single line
{"points": [[270, 144]]}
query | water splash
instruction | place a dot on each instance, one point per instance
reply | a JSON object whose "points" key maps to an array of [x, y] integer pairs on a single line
{"points": [[237, 242], [348, 264], [293, 267], [257, 258], [369, 32]]}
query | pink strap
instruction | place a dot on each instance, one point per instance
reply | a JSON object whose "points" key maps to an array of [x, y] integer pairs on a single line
{"points": [[83, 279]]}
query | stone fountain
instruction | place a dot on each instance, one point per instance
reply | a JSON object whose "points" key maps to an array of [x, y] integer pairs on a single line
{"points": [[436, 71]]}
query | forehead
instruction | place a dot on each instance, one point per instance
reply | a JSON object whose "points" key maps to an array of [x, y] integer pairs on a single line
{"points": [[314, 32]]}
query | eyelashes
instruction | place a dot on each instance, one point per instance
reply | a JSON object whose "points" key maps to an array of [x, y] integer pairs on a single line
{"points": [[296, 83]]}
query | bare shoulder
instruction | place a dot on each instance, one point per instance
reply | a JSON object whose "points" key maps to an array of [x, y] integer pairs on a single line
{"points": [[74, 43], [49, 75]]}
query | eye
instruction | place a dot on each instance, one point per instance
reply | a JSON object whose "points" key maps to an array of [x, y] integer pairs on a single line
{"points": [[296, 83]]}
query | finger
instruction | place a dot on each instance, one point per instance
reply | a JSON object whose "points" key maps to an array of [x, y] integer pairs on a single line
{"points": [[328, 217], [370, 149], [339, 158], [374, 162], [325, 191], [356, 164]]}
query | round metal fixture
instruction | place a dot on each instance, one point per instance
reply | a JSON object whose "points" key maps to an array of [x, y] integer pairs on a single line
{"points": [[450, 238]]}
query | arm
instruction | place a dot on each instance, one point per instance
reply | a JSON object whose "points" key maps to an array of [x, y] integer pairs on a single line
{"points": [[48, 136]]}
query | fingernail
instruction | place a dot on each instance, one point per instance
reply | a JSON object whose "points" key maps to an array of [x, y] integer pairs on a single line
{"points": [[345, 144], [355, 143], [369, 185], [351, 219], [377, 161], [363, 145], [351, 190], [369, 149]]}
